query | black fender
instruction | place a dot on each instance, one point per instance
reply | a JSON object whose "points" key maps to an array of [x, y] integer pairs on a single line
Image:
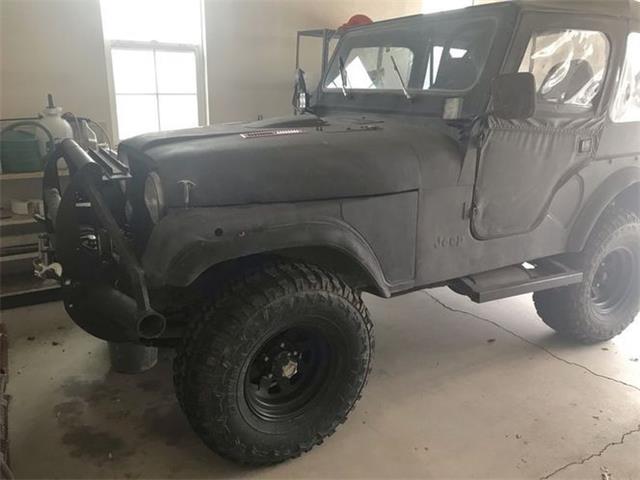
{"points": [[186, 243], [593, 208]]}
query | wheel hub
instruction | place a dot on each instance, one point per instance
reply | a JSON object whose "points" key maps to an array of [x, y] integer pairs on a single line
{"points": [[613, 280], [286, 373], [286, 365]]}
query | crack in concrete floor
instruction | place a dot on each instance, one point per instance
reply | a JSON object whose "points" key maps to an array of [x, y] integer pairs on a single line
{"points": [[546, 350], [593, 455], [573, 364]]}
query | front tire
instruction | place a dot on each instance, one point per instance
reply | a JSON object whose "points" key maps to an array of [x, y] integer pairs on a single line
{"points": [[275, 364], [608, 299]]}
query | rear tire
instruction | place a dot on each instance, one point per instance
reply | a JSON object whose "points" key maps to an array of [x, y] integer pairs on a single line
{"points": [[275, 364], [608, 299]]}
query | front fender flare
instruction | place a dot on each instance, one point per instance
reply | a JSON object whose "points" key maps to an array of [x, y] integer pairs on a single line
{"points": [[187, 243]]}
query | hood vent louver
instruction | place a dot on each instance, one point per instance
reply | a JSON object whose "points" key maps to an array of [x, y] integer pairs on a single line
{"points": [[271, 133]]}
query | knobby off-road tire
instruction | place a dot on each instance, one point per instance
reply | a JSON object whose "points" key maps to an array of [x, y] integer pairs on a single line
{"points": [[275, 363], [608, 300]]}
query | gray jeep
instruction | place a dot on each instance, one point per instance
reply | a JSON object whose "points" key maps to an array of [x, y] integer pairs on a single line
{"points": [[494, 150]]}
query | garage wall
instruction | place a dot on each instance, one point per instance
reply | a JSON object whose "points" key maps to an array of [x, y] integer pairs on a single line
{"points": [[56, 46], [52, 46], [251, 48]]}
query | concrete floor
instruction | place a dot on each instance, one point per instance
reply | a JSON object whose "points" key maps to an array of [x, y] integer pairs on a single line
{"points": [[457, 391]]}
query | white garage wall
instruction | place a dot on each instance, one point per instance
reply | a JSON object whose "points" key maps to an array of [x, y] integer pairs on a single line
{"points": [[52, 46], [430, 6], [56, 46]]}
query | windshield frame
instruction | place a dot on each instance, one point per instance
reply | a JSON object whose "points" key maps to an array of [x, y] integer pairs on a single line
{"points": [[424, 101], [418, 71]]}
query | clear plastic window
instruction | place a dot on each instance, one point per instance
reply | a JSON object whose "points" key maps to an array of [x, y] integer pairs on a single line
{"points": [[626, 105], [372, 68], [569, 66]]}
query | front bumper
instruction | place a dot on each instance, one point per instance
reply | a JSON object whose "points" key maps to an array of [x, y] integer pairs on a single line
{"points": [[76, 219]]}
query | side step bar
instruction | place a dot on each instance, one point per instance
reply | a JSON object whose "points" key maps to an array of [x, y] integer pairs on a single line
{"points": [[516, 280]]}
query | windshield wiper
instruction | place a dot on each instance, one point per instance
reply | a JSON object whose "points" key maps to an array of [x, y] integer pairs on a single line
{"points": [[343, 77], [397, 70]]}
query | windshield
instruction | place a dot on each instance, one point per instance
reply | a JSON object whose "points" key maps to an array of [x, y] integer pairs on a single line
{"points": [[446, 56]]}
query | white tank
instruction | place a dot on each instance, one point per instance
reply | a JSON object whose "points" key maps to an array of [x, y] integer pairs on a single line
{"points": [[52, 120]]}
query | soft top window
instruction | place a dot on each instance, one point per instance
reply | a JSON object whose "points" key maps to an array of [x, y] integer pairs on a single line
{"points": [[569, 65], [626, 106]]}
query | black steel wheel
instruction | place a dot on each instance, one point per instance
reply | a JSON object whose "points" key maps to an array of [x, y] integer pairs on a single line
{"points": [[275, 364], [608, 300], [614, 280], [288, 372]]}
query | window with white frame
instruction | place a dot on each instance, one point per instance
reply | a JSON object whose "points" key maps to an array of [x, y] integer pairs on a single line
{"points": [[154, 55]]}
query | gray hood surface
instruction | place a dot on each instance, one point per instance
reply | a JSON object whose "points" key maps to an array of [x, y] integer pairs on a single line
{"points": [[285, 160]]}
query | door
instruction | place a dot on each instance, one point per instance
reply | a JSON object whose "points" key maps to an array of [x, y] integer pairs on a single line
{"points": [[524, 163]]}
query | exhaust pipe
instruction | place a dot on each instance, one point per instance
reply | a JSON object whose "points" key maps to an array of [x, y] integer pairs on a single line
{"points": [[111, 315], [151, 324]]}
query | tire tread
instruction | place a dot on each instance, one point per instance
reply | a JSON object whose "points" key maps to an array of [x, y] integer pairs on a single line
{"points": [[566, 309], [230, 311]]}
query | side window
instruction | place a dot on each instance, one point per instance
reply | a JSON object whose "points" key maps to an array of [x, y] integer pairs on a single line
{"points": [[569, 65], [626, 106]]}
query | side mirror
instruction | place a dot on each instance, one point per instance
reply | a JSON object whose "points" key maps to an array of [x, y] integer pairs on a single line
{"points": [[514, 96], [300, 95]]}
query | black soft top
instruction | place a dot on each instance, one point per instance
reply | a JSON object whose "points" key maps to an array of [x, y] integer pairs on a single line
{"points": [[611, 8], [629, 9]]}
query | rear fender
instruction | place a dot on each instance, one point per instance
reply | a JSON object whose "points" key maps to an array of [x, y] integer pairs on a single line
{"points": [[604, 195]]}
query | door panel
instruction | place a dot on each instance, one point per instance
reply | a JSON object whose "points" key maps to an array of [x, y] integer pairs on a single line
{"points": [[524, 163]]}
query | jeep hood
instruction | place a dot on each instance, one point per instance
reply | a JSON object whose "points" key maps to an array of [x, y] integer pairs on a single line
{"points": [[280, 160]]}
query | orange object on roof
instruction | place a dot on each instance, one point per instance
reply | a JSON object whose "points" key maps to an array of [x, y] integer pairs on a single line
{"points": [[356, 21]]}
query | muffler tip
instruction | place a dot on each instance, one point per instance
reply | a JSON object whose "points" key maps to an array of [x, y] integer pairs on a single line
{"points": [[151, 325]]}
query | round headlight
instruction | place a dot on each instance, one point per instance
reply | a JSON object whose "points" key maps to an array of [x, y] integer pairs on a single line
{"points": [[153, 197]]}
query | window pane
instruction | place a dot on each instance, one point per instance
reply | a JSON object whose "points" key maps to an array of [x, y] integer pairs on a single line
{"points": [[456, 56], [136, 114], [176, 21], [626, 107], [176, 72], [133, 71], [178, 111], [372, 68], [569, 65]]}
